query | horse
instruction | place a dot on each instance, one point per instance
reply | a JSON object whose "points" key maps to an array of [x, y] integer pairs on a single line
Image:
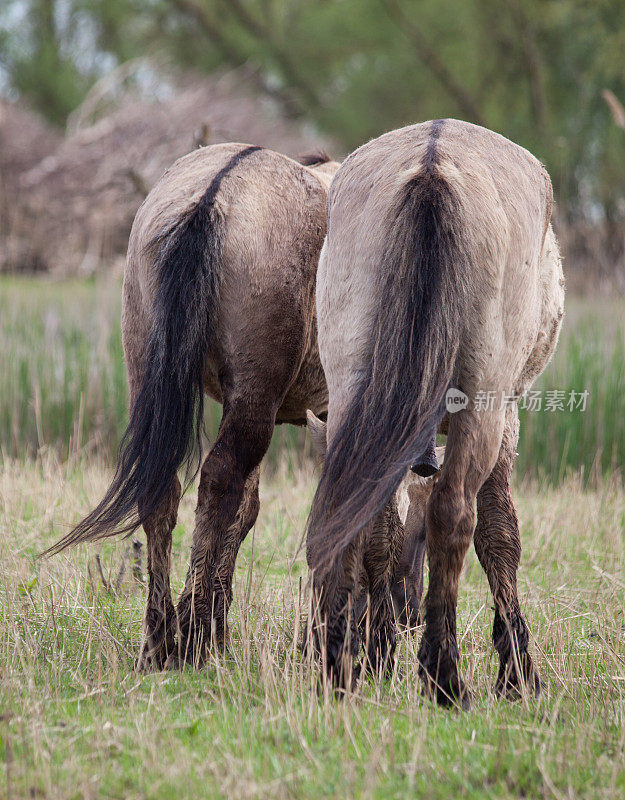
{"points": [[218, 299], [440, 271]]}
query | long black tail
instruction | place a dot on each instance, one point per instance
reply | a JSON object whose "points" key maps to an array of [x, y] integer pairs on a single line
{"points": [[399, 401], [165, 426]]}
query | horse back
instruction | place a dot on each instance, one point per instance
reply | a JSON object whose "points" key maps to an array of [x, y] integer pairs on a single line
{"points": [[271, 214]]}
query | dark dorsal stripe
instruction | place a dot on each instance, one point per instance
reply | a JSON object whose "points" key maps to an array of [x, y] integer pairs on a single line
{"points": [[430, 159], [210, 194]]}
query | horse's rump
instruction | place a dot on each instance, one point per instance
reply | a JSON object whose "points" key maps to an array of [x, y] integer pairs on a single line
{"points": [[397, 401], [437, 197], [219, 280]]}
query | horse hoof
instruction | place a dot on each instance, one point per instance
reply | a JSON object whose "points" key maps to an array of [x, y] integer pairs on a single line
{"points": [[453, 694], [509, 687], [443, 684], [150, 660]]}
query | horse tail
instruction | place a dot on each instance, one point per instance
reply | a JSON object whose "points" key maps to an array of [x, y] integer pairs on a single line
{"points": [[165, 428], [399, 399]]}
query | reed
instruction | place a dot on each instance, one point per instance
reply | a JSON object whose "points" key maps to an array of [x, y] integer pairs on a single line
{"points": [[64, 383]]}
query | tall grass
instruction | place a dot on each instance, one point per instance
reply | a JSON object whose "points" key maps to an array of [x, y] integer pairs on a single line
{"points": [[64, 382], [77, 722], [591, 358]]}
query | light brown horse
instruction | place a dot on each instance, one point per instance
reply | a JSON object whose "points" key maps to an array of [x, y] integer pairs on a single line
{"points": [[218, 298], [440, 269]]}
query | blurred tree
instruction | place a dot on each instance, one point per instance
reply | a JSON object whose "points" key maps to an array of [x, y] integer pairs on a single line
{"points": [[534, 70], [35, 53]]}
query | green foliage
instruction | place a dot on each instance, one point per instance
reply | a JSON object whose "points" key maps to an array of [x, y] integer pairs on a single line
{"points": [[64, 383], [590, 439], [39, 58], [534, 70]]}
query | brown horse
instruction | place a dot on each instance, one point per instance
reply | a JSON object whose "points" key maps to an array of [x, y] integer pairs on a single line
{"points": [[440, 270], [218, 298]]}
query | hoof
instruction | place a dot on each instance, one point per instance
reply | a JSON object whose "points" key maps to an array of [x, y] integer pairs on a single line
{"points": [[511, 686], [192, 652], [451, 693], [151, 660], [342, 672], [346, 681], [159, 640], [442, 682], [198, 640], [174, 663], [381, 657]]}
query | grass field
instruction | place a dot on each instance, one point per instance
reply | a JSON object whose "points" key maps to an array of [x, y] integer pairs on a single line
{"points": [[77, 722], [64, 382]]}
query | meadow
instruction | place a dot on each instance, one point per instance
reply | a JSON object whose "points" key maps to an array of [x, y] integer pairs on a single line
{"points": [[64, 382], [76, 721]]}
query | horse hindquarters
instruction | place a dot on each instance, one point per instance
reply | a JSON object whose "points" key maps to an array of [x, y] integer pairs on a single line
{"points": [[388, 338]]}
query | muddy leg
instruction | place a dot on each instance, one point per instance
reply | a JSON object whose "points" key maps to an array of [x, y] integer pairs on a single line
{"points": [[226, 510], [498, 547], [159, 622], [224, 570], [381, 558], [472, 447], [334, 633], [407, 588]]}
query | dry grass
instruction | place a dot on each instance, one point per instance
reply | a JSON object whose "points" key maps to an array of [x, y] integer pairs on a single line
{"points": [[76, 721]]}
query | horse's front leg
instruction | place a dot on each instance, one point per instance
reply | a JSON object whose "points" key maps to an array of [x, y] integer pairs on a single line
{"points": [[407, 586], [335, 611], [381, 559]]}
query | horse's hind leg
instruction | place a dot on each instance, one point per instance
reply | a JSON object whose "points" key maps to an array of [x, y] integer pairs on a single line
{"points": [[335, 612], [159, 622], [224, 568], [498, 547], [381, 558], [226, 510], [472, 446]]}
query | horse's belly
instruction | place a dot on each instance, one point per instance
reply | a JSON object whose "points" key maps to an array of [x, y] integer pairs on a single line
{"points": [[308, 391]]}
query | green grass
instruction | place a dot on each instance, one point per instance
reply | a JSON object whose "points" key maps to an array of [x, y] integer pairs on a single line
{"points": [[77, 722], [64, 383], [591, 357], [63, 373]]}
